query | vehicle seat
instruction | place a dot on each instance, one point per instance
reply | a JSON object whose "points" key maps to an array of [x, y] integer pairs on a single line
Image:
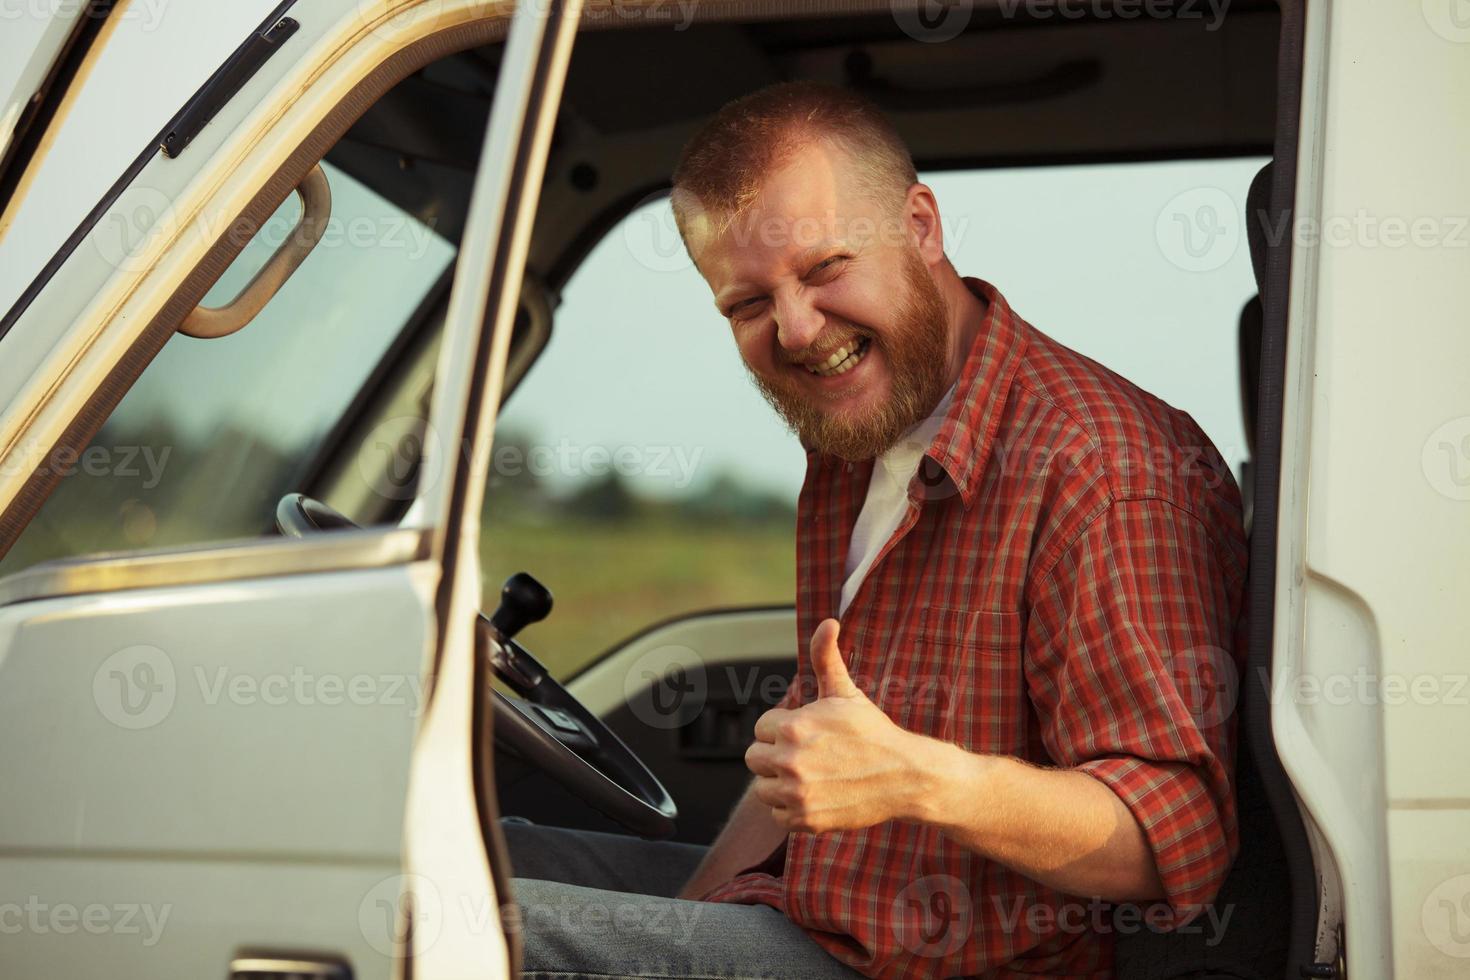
{"points": [[1257, 892]]}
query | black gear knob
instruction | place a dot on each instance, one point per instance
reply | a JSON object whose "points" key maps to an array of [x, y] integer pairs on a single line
{"points": [[523, 601]]}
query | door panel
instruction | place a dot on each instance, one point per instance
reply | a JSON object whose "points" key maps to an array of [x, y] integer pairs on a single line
{"points": [[166, 740], [193, 746], [154, 917]]}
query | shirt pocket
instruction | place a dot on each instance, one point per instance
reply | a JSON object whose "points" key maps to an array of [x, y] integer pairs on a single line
{"points": [[975, 658]]}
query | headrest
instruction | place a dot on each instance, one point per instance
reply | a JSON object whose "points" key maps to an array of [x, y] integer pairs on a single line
{"points": [[1262, 230]]}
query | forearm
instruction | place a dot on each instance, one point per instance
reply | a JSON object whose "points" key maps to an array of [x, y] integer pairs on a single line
{"points": [[749, 837], [1060, 827]]}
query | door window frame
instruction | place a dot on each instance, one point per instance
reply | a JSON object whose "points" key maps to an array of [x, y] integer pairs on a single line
{"points": [[66, 412]]}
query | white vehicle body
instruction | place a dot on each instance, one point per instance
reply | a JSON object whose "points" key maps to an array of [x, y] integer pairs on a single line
{"points": [[199, 808]]}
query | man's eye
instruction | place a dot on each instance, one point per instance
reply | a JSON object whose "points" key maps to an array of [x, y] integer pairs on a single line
{"points": [[744, 310], [827, 264]]}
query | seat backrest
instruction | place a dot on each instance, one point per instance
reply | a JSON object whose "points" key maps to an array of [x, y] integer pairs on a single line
{"points": [[1262, 234], [1246, 935]]}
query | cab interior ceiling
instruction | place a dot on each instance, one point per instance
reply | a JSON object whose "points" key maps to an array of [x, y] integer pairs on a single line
{"points": [[1005, 92]]}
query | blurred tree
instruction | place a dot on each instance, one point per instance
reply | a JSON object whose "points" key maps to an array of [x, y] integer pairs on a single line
{"points": [[605, 499]]}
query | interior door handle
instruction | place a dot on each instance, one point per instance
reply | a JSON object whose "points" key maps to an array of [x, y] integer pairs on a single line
{"points": [[267, 966], [207, 322]]}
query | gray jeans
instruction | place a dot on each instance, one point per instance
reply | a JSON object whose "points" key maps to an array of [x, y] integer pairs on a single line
{"points": [[602, 906]]}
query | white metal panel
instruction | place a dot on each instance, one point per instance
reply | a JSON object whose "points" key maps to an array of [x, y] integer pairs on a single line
{"points": [[190, 698], [1371, 702], [231, 758], [151, 919]]}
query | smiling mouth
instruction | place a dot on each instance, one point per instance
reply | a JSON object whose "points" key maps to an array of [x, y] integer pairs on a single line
{"points": [[842, 360]]}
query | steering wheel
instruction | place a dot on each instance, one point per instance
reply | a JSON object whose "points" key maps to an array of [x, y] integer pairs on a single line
{"points": [[545, 725]]}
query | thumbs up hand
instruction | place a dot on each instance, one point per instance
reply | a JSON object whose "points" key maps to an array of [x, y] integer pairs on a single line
{"points": [[838, 763]]}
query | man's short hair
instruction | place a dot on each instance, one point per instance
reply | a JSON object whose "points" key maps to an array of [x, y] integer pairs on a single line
{"points": [[720, 171]]}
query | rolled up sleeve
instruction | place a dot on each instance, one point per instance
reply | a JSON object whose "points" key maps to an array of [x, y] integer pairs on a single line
{"points": [[1133, 664]]}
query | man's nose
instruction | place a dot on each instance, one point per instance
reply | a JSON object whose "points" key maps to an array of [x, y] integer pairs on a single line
{"points": [[798, 323]]}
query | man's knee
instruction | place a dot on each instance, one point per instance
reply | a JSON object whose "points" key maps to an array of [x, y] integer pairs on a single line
{"points": [[572, 929]]}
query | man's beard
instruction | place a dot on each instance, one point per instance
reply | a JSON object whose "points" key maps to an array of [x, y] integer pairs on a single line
{"points": [[916, 350]]}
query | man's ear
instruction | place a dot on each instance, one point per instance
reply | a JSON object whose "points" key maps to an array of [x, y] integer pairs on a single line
{"points": [[921, 211]]}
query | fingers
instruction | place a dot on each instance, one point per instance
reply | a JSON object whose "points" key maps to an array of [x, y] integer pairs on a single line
{"points": [[789, 816], [768, 725], [768, 791], [760, 759], [779, 794]]}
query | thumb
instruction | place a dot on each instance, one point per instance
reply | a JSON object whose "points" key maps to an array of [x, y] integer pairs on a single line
{"points": [[833, 680]]}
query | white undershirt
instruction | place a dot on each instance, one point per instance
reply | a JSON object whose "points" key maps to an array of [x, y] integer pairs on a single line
{"points": [[888, 498]]}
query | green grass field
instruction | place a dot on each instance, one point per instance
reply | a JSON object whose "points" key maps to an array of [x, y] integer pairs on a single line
{"points": [[611, 580]]}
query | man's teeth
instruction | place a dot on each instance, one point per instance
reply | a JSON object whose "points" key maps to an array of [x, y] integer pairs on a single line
{"points": [[843, 359]]}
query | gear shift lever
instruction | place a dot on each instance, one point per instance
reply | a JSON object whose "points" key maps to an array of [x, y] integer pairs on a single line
{"points": [[523, 601]]}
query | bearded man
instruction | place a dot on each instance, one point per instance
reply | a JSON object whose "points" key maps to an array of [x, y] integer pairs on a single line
{"points": [[1019, 576]]}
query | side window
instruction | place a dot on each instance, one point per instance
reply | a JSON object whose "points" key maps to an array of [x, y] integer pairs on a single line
{"points": [[636, 471], [640, 476], [214, 432]]}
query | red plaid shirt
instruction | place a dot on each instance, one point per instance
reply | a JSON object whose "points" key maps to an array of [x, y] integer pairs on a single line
{"points": [[1065, 588]]}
